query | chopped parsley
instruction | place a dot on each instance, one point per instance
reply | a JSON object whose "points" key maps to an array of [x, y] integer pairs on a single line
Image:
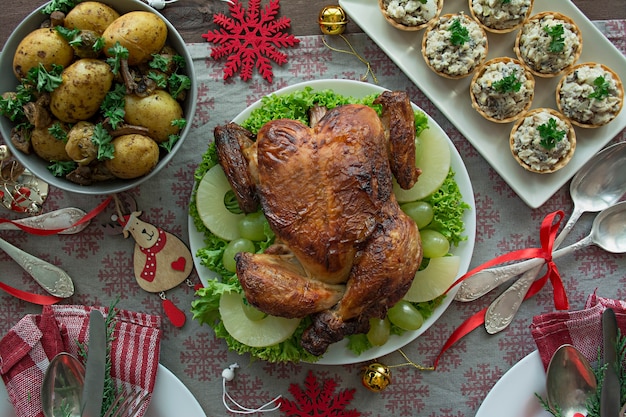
{"points": [[508, 84], [600, 89], [557, 41], [550, 134], [458, 33], [102, 140], [45, 80]]}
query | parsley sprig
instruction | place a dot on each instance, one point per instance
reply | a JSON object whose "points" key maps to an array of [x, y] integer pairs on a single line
{"points": [[508, 84], [550, 134], [458, 33], [600, 89], [557, 41]]}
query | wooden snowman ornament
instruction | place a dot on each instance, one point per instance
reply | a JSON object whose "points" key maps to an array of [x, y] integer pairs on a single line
{"points": [[161, 261]]}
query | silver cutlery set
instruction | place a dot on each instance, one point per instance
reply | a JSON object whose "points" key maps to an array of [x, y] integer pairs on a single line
{"points": [[597, 187]]}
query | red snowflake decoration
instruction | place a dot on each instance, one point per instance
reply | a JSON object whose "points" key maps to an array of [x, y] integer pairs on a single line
{"points": [[318, 400], [251, 38]]}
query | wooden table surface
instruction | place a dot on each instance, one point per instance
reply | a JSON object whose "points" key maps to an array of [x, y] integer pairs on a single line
{"points": [[194, 17]]}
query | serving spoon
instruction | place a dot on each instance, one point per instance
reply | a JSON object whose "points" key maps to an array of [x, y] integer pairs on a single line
{"points": [[570, 381], [608, 231], [62, 386], [603, 177], [64, 218], [598, 185]]}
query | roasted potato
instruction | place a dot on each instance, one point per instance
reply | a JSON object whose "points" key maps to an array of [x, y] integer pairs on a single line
{"points": [[85, 84], [90, 15], [43, 46], [47, 146], [135, 156], [142, 33], [156, 112]]}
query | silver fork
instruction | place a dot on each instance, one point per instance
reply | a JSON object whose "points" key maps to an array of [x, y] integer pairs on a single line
{"points": [[127, 404]]}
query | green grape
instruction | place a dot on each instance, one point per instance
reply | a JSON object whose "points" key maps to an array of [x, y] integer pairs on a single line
{"points": [[420, 211], [234, 247], [252, 226], [434, 244], [252, 312], [379, 331], [405, 316]]}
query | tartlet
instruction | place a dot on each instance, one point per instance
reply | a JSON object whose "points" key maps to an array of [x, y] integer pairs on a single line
{"points": [[549, 43], [501, 17], [502, 90], [454, 45], [590, 95], [410, 15], [537, 152]]}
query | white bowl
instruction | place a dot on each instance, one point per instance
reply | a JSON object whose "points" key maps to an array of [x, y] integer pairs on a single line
{"points": [[37, 165]]}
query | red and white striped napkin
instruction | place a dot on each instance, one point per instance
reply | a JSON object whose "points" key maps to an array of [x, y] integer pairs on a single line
{"points": [[26, 351], [582, 329]]}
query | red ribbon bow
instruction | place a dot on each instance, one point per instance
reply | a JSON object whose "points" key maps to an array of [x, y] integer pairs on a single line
{"points": [[547, 234]]}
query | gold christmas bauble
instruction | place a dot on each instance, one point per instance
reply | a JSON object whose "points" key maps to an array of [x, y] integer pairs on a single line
{"points": [[376, 377], [333, 20]]}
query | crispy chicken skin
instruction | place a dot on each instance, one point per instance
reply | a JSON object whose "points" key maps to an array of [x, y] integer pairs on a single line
{"points": [[401, 137], [346, 252], [236, 152]]}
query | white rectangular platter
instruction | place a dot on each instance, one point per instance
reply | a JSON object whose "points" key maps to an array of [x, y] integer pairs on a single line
{"points": [[452, 96]]}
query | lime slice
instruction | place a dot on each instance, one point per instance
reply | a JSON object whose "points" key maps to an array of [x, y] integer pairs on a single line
{"points": [[267, 331], [433, 160], [434, 280], [210, 203]]}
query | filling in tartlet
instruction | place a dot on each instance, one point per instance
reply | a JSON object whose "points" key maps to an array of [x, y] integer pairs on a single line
{"points": [[455, 45], [502, 90], [590, 95], [501, 15], [411, 12], [541, 141], [549, 44]]}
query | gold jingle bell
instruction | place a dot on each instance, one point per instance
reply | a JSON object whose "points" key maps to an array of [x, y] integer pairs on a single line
{"points": [[376, 377], [333, 20]]}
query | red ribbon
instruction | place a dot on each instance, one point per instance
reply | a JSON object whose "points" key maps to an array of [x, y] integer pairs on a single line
{"points": [[46, 232], [549, 228], [47, 299]]}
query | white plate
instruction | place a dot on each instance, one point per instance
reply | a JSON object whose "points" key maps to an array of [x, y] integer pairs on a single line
{"points": [[338, 354], [452, 96], [169, 398], [514, 393]]}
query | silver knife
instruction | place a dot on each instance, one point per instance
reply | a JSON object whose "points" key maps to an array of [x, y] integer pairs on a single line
{"points": [[610, 395], [91, 401]]}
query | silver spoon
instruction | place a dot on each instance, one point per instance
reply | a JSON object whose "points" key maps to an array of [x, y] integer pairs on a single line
{"points": [[600, 174], [608, 232], [570, 381], [62, 386], [52, 278], [63, 218], [599, 184]]}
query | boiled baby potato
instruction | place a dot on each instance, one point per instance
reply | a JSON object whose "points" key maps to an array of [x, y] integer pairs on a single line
{"points": [[47, 146], [43, 46], [155, 112], [142, 33], [135, 155], [85, 84], [79, 145], [90, 15]]}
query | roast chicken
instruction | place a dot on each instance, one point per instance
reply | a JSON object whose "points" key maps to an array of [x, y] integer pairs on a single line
{"points": [[344, 250]]}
